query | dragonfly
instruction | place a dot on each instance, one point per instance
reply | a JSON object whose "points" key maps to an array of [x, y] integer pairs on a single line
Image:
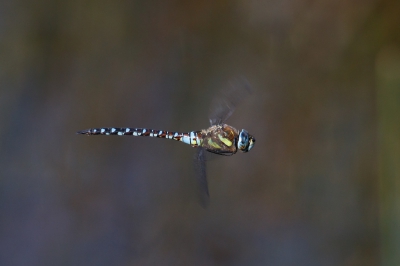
{"points": [[220, 138]]}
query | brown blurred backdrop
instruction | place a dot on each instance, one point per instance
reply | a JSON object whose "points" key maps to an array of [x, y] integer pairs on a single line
{"points": [[320, 187]]}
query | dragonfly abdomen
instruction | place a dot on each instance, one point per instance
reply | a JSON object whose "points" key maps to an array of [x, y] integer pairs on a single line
{"points": [[192, 138]]}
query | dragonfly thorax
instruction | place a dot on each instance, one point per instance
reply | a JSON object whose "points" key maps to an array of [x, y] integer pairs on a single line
{"points": [[225, 140]]}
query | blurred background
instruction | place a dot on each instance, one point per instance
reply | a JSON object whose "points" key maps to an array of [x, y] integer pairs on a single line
{"points": [[320, 187]]}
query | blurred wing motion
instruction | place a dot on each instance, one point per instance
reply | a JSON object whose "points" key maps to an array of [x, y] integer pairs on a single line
{"points": [[224, 104], [201, 176], [217, 138]]}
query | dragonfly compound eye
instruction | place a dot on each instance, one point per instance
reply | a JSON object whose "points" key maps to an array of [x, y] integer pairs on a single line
{"points": [[243, 141]]}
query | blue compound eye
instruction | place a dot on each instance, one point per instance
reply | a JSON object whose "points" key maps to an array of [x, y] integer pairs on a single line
{"points": [[243, 141]]}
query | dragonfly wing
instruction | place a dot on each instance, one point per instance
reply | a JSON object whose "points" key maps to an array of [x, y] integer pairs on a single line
{"points": [[201, 176], [224, 104]]}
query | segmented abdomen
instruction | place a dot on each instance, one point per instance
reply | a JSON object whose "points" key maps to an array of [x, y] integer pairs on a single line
{"points": [[192, 138]]}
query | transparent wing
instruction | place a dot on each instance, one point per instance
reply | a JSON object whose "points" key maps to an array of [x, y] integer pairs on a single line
{"points": [[228, 99], [201, 176]]}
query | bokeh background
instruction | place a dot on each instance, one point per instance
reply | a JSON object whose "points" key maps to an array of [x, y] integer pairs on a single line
{"points": [[320, 187]]}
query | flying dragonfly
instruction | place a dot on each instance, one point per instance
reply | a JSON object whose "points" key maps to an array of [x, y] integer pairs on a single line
{"points": [[219, 138]]}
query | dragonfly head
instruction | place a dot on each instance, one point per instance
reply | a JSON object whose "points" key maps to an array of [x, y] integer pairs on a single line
{"points": [[245, 141]]}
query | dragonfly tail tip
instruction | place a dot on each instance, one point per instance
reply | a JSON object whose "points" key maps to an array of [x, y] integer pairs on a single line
{"points": [[84, 132]]}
